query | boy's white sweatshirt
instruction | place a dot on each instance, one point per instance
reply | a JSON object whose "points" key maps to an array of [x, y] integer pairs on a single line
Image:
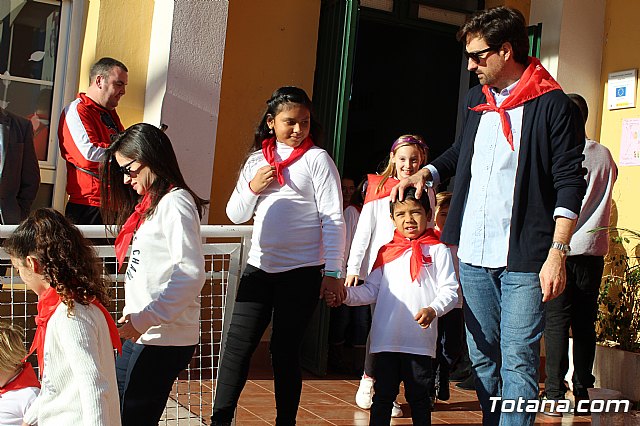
{"points": [[166, 273], [297, 224], [398, 300], [79, 384]]}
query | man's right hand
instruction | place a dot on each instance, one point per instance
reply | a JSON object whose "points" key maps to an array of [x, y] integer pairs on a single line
{"points": [[418, 181]]}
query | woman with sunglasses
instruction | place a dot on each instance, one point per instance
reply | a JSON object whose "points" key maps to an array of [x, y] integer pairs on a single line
{"points": [[155, 211]]}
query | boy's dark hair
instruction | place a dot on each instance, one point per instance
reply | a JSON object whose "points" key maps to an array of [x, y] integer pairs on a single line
{"points": [[410, 194], [497, 26]]}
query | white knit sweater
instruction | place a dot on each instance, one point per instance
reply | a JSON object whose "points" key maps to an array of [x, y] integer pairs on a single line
{"points": [[398, 300], [79, 384], [166, 273], [297, 224]]}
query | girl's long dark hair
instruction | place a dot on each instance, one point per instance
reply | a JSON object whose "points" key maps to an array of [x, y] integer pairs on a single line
{"points": [[69, 263], [279, 99], [151, 147]]}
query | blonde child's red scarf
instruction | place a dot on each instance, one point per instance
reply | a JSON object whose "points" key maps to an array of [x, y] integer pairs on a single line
{"points": [[269, 152], [25, 379], [534, 82], [47, 304], [400, 244], [372, 187]]}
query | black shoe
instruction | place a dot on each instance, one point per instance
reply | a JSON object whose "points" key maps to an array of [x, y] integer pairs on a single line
{"points": [[443, 392], [220, 423], [460, 375], [468, 384]]}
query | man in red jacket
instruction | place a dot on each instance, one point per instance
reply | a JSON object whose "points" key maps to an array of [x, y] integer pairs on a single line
{"points": [[85, 130]]}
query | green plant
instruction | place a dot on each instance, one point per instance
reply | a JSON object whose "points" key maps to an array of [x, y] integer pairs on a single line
{"points": [[619, 298]]}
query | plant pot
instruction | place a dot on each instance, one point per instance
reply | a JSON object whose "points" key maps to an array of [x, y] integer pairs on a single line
{"points": [[619, 370]]}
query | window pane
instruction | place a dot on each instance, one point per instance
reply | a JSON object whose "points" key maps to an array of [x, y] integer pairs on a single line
{"points": [[29, 38]]}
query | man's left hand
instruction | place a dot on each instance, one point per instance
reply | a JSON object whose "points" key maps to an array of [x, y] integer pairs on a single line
{"points": [[553, 275]]}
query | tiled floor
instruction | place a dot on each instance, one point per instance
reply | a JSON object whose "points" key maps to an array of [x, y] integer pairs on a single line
{"points": [[331, 402]]}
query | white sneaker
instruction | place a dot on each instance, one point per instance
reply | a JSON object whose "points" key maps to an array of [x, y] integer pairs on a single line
{"points": [[396, 411], [364, 396]]}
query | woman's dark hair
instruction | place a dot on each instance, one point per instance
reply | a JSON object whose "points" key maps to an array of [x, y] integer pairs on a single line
{"points": [[497, 26], [279, 100], [152, 148], [410, 194], [69, 263]]}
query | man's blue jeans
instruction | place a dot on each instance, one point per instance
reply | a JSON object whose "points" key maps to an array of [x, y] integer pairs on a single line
{"points": [[504, 315]]}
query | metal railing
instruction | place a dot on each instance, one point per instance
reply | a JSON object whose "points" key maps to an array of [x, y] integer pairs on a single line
{"points": [[191, 398]]}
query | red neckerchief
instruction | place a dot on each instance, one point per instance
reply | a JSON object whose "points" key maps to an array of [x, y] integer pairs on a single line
{"points": [[269, 152], [47, 305], [26, 379], [372, 187], [534, 82], [400, 244], [130, 227]]}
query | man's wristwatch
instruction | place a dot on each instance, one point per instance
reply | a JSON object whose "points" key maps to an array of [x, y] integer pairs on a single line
{"points": [[333, 274], [564, 248]]}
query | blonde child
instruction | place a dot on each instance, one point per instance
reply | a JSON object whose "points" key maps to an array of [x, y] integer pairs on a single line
{"points": [[76, 336], [407, 155], [291, 188], [19, 385], [413, 283]]}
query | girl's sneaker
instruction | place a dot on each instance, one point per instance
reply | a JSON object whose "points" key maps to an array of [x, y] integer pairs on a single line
{"points": [[364, 395], [396, 411]]}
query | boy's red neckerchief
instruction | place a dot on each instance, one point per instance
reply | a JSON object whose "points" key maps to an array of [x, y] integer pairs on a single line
{"points": [[269, 152], [534, 82], [400, 244]]}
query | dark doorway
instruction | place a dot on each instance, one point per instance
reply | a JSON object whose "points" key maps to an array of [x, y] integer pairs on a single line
{"points": [[406, 79]]}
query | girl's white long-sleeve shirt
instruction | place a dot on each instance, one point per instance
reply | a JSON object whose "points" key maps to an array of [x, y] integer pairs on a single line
{"points": [[79, 383], [297, 224], [165, 274], [398, 300], [14, 405], [375, 229]]}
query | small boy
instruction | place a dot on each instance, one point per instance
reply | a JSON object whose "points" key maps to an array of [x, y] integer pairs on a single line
{"points": [[413, 282], [19, 385]]}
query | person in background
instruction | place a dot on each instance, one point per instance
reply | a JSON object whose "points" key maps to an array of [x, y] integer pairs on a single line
{"points": [[577, 307], [144, 194], [19, 385], [517, 195], [291, 189], [19, 169], [75, 336], [84, 133]]}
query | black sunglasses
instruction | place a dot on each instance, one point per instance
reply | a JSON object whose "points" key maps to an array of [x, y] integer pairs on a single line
{"points": [[126, 169], [475, 56]]}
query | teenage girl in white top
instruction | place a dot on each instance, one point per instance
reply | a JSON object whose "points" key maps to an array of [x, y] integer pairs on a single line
{"points": [[291, 189], [145, 195]]}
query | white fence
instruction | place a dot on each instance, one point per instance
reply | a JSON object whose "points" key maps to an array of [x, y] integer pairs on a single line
{"points": [[191, 398]]}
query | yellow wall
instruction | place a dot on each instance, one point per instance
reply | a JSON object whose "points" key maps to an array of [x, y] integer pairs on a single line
{"points": [[270, 43], [120, 29], [621, 35], [523, 6]]}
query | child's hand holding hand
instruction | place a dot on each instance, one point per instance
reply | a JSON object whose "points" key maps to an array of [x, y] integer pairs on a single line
{"points": [[331, 299], [425, 316], [263, 178]]}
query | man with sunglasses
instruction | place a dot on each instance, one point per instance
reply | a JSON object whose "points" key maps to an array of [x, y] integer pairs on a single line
{"points": [[518, 190], [85, 131]]}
